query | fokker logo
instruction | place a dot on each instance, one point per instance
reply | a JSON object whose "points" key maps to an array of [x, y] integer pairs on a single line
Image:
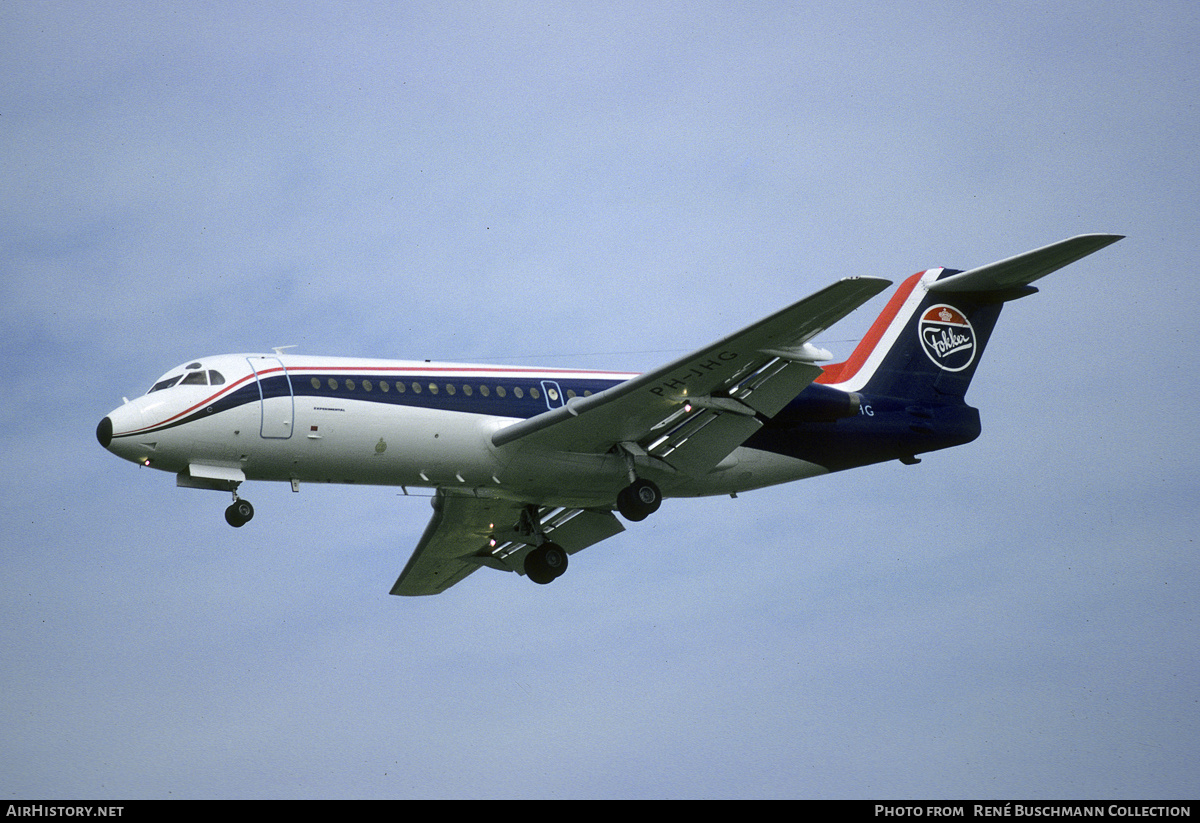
{"points": [[947, 337]]}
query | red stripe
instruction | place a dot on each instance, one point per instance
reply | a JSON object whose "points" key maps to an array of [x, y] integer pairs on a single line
{"points": [[841, 372], [187, 411]]}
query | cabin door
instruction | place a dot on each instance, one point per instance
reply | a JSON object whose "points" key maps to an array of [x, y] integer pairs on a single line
{"points": [[275, 397]]}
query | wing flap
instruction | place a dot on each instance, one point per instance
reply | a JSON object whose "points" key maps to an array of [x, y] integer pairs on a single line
{"points": [[586, 528], [703, 440], [775, 385]]}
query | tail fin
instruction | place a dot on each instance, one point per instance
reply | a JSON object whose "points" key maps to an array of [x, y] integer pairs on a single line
{"points": [[927, 342]]}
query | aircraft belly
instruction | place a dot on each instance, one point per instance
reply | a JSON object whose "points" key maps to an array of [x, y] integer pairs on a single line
{"points": [[571, 479], [744, 470], [374, 444]]}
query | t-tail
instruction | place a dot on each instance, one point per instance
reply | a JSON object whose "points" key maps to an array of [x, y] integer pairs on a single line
{"points": [[907, 380], [927, 342]]}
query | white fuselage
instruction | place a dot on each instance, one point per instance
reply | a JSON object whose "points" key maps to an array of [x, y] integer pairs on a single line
{"points": [[221, 420]]}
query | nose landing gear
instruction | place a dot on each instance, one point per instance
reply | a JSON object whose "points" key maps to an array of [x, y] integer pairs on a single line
{"points": [[239, 512]]}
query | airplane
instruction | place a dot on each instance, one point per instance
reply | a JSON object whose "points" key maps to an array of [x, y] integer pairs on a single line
{"points": [[527, 465]]}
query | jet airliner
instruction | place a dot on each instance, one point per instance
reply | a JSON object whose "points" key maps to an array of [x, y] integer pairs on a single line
{"points": [[527, 465]]}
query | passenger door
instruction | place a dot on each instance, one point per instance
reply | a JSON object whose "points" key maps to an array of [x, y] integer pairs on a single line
{"points": [[275, 397]]}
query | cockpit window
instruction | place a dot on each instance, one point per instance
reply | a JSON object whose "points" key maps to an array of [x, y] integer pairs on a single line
{"points": [[164, 384], [192, 378]]}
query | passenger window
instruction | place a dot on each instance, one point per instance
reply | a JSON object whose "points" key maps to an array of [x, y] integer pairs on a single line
{"points": [[518, 393], [349, 385], [449, 388], [316, 382], [332, 383], [535, 394], [383, 386], [483, 390], [366, 385], [499, 391]]}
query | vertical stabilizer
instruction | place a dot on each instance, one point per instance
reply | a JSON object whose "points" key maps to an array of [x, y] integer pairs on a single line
{"points": [[928, 341]]}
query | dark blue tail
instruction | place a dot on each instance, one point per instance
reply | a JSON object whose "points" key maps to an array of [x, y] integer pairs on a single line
{"points": [[926, 344]]}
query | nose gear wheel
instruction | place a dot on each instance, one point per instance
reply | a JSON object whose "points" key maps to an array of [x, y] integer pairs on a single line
{"points": [[239, 513]]}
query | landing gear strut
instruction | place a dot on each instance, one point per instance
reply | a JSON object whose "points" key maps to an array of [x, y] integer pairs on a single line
{"points": [[239, 512], [546, 560], [639, 500]]}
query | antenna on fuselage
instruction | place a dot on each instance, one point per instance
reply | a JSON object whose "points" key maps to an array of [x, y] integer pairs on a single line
{"points": [[279, 349]]}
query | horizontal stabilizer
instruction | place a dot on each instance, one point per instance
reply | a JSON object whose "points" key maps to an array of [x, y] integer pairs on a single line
{"points": [[1023, 269]]}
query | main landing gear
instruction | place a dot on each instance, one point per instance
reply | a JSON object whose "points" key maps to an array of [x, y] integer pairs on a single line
{"points": [[639, 500], [239, 512], [547, 560], [545, 563]]}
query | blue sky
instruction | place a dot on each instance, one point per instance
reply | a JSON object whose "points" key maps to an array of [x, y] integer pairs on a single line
{"points": [[602, 186]]}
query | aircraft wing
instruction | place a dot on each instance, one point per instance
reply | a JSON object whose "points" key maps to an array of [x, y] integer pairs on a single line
{"points": [[467, 532], [691, 413]]}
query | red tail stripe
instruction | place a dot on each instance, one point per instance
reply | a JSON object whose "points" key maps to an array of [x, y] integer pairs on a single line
{"points": [[841, 372]]}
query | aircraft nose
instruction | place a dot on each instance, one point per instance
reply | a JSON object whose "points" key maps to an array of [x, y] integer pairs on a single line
{"points": [[114, 429], [104, 432]]}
